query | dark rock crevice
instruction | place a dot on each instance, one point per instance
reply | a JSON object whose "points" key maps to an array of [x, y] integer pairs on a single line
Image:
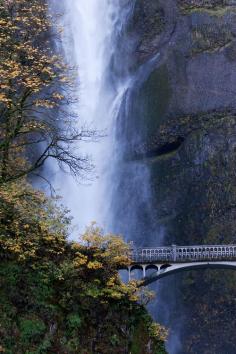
{"points": [[166, 148]]}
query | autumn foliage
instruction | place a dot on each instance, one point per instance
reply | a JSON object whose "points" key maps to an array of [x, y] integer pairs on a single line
{"points": [[37, 93], [65, 297]]}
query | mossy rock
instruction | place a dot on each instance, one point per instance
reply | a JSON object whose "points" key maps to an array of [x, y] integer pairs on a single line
{"points": [[207, 4], [212, 7], [210, 38]]}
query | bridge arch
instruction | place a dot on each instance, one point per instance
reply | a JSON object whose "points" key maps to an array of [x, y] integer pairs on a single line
{"points": [[154, 267], [165, 266], [136, 267], [181, 267]]}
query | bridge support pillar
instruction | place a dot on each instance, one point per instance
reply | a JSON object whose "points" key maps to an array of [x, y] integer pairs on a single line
{"points": [[174, 252], [129, 272], [144, 271]]}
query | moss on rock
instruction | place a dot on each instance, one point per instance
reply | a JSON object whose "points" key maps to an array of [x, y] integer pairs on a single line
{"points": [[210, 38]]}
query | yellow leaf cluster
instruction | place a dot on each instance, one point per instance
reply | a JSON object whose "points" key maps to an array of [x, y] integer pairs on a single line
{"points": [[26, 232], [80, 260], [94, 265], [27, 60]]}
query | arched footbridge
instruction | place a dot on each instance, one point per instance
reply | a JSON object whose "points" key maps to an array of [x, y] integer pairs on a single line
{"points": [[165, 261]]}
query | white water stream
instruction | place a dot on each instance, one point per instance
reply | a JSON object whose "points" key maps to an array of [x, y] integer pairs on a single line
{"points": [[91, 30], [118, 198]]}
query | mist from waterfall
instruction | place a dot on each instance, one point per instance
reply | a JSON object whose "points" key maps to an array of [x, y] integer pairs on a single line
{"points": [[97, 41], [91, 32]]}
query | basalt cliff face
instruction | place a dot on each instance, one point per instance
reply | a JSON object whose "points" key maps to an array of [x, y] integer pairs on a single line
{"points": [[185, 113]]}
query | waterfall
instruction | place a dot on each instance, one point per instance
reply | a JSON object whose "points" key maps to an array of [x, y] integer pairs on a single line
{"points": [[91, 34], [95, 39]]}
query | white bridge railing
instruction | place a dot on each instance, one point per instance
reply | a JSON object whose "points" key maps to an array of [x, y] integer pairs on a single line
{"points": [[184, 253]]}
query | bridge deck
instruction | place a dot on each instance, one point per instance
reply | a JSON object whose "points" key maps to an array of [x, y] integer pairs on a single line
{"points": [[180, 254], [170, 260]]}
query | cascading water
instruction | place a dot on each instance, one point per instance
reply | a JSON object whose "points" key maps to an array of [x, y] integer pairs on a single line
{"points": [[91, 31], [119, 198]]}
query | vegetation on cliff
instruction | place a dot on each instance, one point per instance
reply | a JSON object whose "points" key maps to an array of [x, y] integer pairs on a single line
{"points": [[65, 297], [57, 296]]}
